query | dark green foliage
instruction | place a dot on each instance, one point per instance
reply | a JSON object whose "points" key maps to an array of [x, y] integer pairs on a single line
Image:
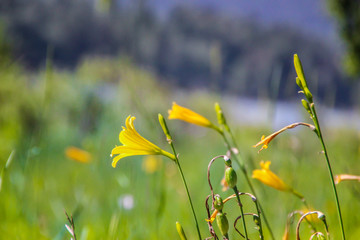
{"points": [[347, 13]]}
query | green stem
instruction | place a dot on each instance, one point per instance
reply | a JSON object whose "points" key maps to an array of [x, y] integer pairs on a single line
{"points": [[302, 198], [317, 125], [187, 190], [241, 210], [260, 224], [243, 169]]}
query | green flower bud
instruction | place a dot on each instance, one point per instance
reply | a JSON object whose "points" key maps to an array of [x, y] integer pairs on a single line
{"points": [[218, 204], [164, 127], [180, 231], [223, 223], [219, 114], [298, 82], [256, 219], [227, 161], [306, 106], [299, 70], [320, 236], [230, 177]]}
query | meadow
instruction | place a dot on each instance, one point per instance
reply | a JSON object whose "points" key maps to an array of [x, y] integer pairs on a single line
{"points": [[43, 114]]}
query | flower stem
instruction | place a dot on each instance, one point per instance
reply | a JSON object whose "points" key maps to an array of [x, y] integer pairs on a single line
{"points": [[187, 190], [244, 171], [241, 211], [319, 134]]}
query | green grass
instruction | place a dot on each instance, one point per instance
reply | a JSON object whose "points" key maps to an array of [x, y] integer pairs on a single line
{"points": [[40, 116]]}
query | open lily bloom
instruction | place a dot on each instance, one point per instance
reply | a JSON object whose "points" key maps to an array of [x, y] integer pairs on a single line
{"points": [[135, 144], [185, 114], [266, 176]]}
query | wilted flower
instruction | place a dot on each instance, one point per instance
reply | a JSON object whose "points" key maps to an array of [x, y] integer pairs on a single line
{"points": [[346, 177], [266, 140], [266, 176], [135, 144], [185, 114], [78, 154]]}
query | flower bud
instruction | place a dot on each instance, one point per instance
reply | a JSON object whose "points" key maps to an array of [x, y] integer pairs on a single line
{"points": [[227, 161], [308, 94], [164, 127], [320, 236], [256, 219], [306, 106], [223, 223], [230, 177], [180, 231], [218, 203], [298, 82], [219, 114]]}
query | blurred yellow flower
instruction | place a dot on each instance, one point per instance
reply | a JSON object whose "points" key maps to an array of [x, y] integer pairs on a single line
{"points": [[151, 163], [77, 154], [346, 177], [266, 176], [266, 140], [185, 114], [135, 144]]}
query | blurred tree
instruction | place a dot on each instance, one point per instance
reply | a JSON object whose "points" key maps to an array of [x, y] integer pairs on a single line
{"points": [[347, 13]]}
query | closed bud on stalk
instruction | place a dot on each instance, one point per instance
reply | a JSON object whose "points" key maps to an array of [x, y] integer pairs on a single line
{"points": [[298, 82], [180, 231], [320, 236], [218, 204], [223, 223], [227, 161], [256, 219], [230, 177], [306, 105], [164, 127], [308, 94], [219, 114]]}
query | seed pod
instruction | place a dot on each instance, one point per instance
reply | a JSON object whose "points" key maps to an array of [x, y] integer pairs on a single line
{"points": [[218, 204], [230, 177], [223, 223]]}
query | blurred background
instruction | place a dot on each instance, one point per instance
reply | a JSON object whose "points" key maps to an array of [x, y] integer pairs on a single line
{"points": [[71, 71]]}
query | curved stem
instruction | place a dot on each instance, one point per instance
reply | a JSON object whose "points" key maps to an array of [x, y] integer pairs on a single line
{"points": [[241, 211], [243, 169], [187, 190], [317, 125]]}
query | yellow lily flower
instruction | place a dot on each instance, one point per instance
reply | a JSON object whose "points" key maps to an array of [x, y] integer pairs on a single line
{"points": [[185, 114], [135, 144], [346, 177], [266, 140], [78, 154], [266, 176]]}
